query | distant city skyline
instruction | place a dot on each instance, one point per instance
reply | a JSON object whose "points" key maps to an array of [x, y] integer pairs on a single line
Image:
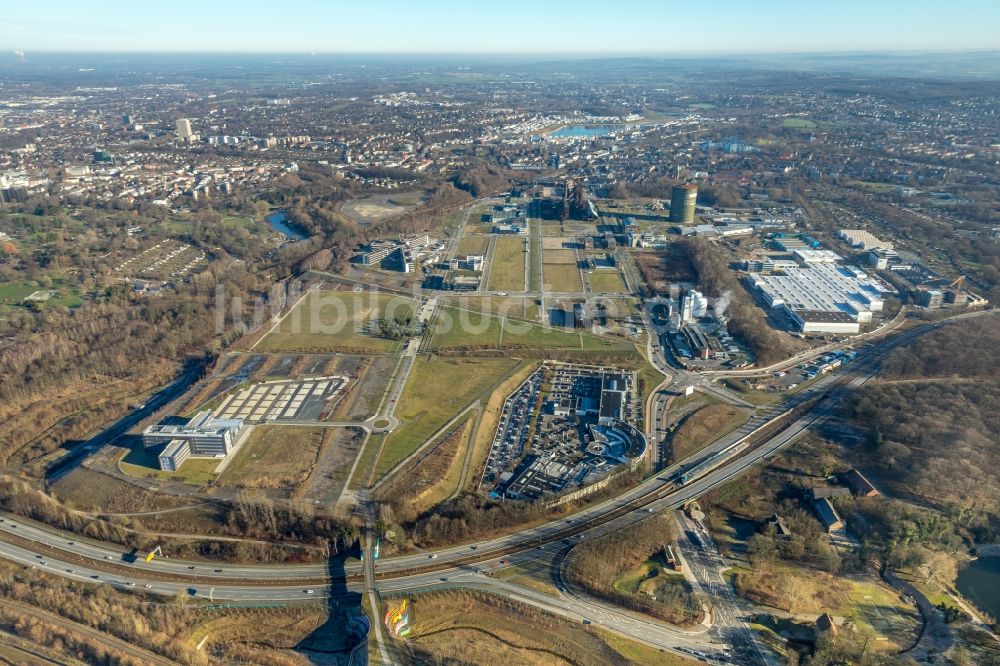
{"points": [[516, 26]]}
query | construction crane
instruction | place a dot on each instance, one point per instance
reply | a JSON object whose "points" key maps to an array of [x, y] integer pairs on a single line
{"points": [[957, 284], [153, 553]]}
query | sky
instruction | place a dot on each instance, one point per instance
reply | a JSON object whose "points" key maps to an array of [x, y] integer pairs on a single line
{"points": [[584, 27]]}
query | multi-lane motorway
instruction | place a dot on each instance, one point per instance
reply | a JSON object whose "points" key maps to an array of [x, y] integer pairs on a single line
{"points": [[71, 556]]}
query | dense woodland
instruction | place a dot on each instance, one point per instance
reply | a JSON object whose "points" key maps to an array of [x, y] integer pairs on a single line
{"points": [[977, 257], [746, 321], [964, 350], [934, 424], [597, 564], [924, 432]]}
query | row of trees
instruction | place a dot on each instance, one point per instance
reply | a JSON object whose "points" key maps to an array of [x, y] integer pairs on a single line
{"points": [[164, 628], [746, 321], [271, 531]]}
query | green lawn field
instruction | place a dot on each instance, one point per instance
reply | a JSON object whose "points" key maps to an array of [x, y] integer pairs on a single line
{"points": [[464, 329], [338, 320], [562, 277], [507, 267], [606, 281], [798, 123], [274, 457], [141, 462], [437, 390], [473, 245]]}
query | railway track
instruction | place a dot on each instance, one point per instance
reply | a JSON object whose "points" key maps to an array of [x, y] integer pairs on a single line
{"points": [[808, 400], [820, 399], [107, 640]]}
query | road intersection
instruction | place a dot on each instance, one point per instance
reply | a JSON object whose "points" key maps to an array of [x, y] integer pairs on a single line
{"points": [[469, 565]]}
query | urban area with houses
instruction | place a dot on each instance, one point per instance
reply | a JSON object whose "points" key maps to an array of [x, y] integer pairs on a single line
{"points": [[433, 363]]}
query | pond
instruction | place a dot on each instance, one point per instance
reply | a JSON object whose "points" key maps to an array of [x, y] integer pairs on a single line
{"points": [[980, 583], [278, 222]]}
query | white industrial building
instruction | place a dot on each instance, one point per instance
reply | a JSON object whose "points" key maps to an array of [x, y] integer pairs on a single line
{"points": [[694, 305], [768, 265], [862, 239], [822, 298], [809, 256], [203, 436]]}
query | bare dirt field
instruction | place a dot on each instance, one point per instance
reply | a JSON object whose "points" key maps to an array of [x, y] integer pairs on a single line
{"points": [[375, 208], [560, 257], [557, 242]]}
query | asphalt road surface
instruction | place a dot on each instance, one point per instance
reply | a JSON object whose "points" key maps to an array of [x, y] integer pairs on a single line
{"points": [[70, 556]]}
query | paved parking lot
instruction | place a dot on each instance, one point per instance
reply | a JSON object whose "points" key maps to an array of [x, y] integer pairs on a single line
{"points": [[540, 449], [512, 431], [301, 400]]}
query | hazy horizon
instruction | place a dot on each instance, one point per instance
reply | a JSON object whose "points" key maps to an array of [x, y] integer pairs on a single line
{"points": [[630, 27]]}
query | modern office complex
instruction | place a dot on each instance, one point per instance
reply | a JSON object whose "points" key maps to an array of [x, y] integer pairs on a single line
{"points": [[682, 203], [204, 436], [398, 254]]}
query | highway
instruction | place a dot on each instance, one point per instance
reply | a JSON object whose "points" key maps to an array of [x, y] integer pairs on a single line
{"points": [[659, 490], [467, 565], [657, 493]]}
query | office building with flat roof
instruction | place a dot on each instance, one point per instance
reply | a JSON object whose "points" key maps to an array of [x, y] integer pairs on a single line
{"points": [[204, 435], [174, 455], [612, 404]]}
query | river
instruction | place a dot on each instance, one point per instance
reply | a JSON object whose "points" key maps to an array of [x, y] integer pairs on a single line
{"points": [[980, 583], [278, 222]]}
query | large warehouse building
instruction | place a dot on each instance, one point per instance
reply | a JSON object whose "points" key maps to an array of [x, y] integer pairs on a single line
{"points": [[203, 436], [862, 239], [822, 298]]}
